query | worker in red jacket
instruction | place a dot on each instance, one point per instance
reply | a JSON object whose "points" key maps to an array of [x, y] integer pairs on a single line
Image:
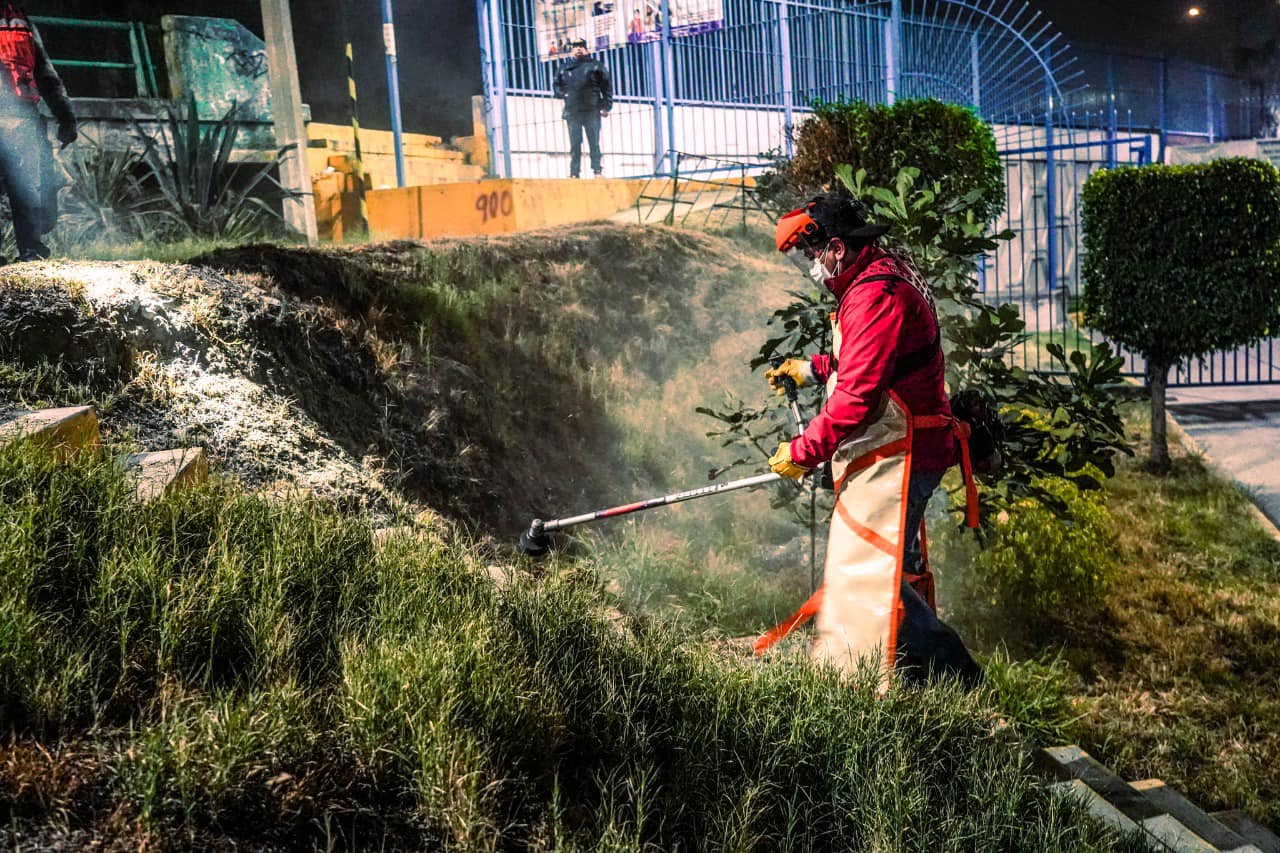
{"points": [[26, 77], [887, 429]]}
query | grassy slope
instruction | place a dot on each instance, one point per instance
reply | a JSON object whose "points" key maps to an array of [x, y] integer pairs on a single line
{"points": [[217, 668]]}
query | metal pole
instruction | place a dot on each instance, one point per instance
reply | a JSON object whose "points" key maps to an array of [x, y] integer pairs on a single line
{"points": [[355, 115], [393, 87], [500, 83], [1050, 194], [788, 85], [1111, 113], [893, 51], [286, 109], [1164, 105], [669, 72], [1208, 104], [974, 64], [659, 98]]}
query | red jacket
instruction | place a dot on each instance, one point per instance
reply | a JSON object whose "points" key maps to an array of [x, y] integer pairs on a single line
{"points": [[880, 321]]}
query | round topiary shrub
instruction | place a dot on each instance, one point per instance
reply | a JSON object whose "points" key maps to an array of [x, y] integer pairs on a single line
{"points": [[1182, 261], [949, 144]]}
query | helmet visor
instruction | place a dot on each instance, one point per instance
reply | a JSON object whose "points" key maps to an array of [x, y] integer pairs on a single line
{"points": [[805, 250]]}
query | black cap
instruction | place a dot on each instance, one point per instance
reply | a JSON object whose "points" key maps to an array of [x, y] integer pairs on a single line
{"points": [[578, 43], [843, 217]]}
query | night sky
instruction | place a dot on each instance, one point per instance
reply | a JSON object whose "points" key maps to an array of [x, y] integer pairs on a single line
{"points": [[440, 56]]}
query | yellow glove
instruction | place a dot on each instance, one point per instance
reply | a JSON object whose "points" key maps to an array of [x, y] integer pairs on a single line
{"points": [[800, 370], [780, 463]]}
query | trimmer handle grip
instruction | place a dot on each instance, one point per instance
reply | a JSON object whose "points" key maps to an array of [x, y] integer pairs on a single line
{"points": [[789, 384]]}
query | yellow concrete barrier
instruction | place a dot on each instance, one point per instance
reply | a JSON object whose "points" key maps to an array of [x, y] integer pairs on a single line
{"points": [[494, 206]]}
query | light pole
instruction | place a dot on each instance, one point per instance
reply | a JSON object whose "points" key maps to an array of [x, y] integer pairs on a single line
{"points": [[393, 87]]}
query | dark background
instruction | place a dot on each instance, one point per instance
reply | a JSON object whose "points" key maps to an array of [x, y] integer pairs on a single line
{"points": [[439, 49]]}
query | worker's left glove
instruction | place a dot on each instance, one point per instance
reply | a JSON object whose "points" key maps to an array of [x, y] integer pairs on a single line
{"points": [[798, 370], [780, 463], [67, 133]]}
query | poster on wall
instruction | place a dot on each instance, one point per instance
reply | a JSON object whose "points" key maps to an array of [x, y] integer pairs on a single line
{"points": [[609, 23]]}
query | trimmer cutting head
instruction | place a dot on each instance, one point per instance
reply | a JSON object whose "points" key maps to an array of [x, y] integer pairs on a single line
{"points": [[534, 542]]}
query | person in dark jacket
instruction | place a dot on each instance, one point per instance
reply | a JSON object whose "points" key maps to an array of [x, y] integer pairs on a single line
{"points": [[587, 89], [26, 77]]}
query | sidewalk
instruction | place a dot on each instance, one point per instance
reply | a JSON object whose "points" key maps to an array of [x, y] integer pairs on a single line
{"points": [[1239, 429]]}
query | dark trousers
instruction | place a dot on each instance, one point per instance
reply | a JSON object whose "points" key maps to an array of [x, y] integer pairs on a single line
{"points": [[578, 122], [22, 147], [928, 648]]}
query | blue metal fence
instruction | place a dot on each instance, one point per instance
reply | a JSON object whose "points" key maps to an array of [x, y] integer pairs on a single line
{"points": [[723, 99]]}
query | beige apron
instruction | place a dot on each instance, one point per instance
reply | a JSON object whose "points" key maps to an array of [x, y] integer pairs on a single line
{"points": [[858, 605]]}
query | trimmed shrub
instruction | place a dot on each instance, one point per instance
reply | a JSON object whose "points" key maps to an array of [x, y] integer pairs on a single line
{"points": [[1181, 261], [1036, 563], [947, 143]]}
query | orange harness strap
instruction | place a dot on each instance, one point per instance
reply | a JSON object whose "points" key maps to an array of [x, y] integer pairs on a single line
{"points": [[807, 611], [923, 583], [961, 431]]}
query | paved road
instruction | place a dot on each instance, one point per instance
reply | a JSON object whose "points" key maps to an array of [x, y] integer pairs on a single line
{"points": [[1239, 428]]}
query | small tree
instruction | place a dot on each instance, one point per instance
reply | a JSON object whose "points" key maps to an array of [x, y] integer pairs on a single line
{"points": [[1182, 261]]}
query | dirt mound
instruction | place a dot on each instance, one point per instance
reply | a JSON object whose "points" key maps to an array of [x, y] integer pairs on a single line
{"points": [[474, 377]]}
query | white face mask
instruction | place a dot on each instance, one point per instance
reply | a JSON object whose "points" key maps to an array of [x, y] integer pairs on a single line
{"points": [[818, 272]]}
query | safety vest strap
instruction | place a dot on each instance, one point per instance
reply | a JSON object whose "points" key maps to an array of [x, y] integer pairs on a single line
{"points": [[961, 431]]}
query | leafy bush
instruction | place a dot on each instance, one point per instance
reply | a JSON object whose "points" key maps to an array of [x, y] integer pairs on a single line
{"points": [[101, 202], [948, 144], [1181, 261], [1035, 562]]}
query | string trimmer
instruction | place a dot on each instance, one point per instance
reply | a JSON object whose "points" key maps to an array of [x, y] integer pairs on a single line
{"points": [[536, 542]]}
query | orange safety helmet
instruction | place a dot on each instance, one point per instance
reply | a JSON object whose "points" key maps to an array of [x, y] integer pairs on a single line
{"points": [[793, 227]]}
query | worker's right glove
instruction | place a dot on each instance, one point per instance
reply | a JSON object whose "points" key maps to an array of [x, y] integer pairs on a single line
{"points": [[780, 463], [800, 370]]}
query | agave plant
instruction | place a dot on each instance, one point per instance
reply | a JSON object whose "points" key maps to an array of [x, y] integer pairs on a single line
{"points": [[104, 198], [199, 191]]}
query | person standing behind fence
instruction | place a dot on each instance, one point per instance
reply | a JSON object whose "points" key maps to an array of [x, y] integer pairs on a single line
{"points": [[587, 89], [26, 157]]}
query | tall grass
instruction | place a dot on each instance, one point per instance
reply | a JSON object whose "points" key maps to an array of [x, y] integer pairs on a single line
{"points": [[244, 669]]}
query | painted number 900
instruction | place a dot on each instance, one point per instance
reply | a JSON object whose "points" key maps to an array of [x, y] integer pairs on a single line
{"points": [[495, 204]]}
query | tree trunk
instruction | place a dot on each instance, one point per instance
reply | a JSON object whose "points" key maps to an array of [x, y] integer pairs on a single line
{"points": [[1157, 384]]}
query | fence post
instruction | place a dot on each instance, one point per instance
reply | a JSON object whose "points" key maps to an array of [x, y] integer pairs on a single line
{"points": [[1051, 193], [788, 84], [486, 72], [498, 58], [669, 81], [974, 55], [659, 98], [1208, 104], [893, 51], [1111, 113], [1164, 105]]}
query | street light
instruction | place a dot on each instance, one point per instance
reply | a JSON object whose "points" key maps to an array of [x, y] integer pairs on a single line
{"points": [[1194, 12]]}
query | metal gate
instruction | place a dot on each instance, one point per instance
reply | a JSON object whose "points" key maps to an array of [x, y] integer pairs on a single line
{"points": [[1039, 270]]}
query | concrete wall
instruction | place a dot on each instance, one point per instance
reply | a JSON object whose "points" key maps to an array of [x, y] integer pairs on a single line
{"points": [[494, 206]]}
